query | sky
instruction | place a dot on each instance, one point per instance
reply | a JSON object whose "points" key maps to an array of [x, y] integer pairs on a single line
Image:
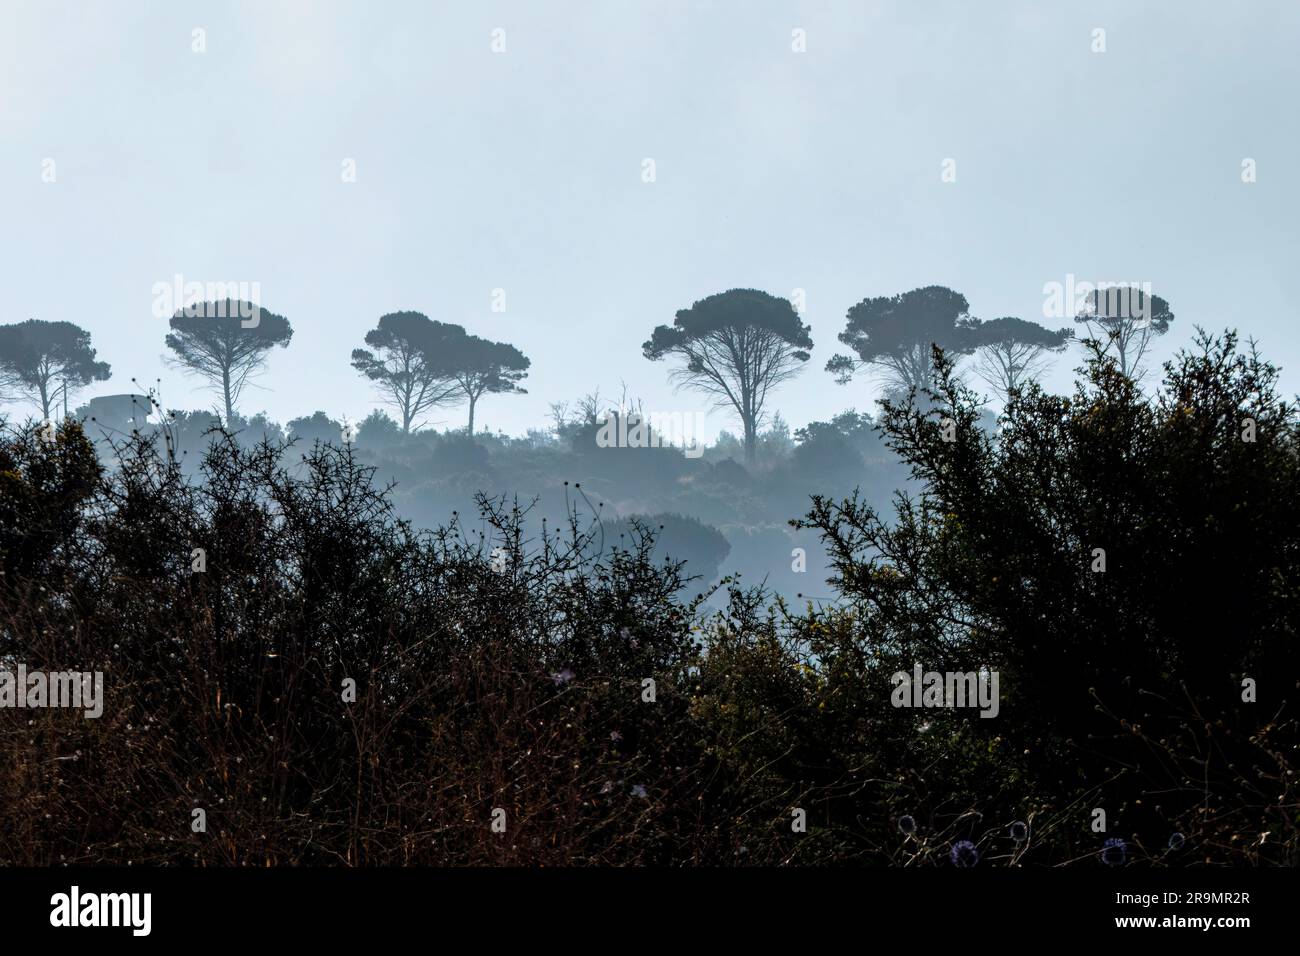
{"points": [[128, 158]]}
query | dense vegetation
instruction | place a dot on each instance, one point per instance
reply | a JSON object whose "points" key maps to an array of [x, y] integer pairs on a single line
{"points": [[718, 515], [502, 664]]}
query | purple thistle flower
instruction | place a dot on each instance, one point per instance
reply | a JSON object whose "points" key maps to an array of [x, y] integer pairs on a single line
{"points": [[964, 853], [906, 825], [1020, 831], [562, 677], [1114, 852]]}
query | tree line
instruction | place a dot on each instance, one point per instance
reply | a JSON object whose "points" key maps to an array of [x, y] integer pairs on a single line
{"points": [[735, 347]]}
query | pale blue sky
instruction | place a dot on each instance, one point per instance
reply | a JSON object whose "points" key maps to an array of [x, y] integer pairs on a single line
{"points": [[522, 170]]}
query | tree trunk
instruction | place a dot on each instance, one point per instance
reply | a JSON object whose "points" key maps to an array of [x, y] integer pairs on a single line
{"points": [[225, 390], [472, 400], [751, 442]]}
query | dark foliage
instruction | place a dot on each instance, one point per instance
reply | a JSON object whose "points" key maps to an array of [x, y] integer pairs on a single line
{"points": [[1121, 688], [498, 667]]}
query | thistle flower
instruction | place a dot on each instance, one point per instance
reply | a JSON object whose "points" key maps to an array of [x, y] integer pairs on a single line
{"points": [[1020, 831], [964, 853], [1114, 852], [638, 790], [906, 825], [562, 677]]}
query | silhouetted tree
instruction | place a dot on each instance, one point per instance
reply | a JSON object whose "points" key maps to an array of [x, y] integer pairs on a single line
{"points": [[896, 334], [212, 340], [735, 346], [831, 453], [478, 367], [316, 427], [410, 368], [38, 358], [259, 428], [1012, 351], [1109, 555], [776, 440], [1124, 319], [377, 430]]}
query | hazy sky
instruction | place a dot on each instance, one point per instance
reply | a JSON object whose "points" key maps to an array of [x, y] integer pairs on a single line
{"points": [[522, 171]]}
